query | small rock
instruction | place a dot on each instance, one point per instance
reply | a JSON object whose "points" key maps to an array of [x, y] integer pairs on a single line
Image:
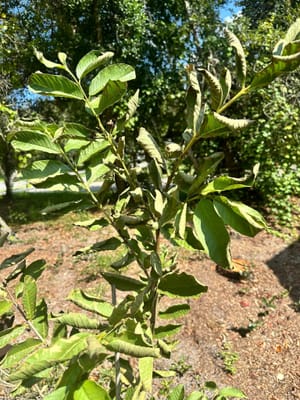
{"points": [[280, 377], [244, 303]]}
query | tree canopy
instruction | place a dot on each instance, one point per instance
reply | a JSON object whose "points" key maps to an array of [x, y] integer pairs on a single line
{"points": [[158, 37]]}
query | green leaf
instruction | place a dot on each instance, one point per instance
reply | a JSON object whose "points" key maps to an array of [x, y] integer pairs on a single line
{"points": [[33, 140], [111, 94], [35, 269], [16, 258], [80, 367], [75, 144], [215, 86], [166, 330], [207, 167], [286, 58], [231, 215], [212, 127], [223, 183], [90, 390], [196, 396], [16, 271], [90, 303], [107, 244], [93, 224], [176, 311], [44, 358], [169, 210], [241, 64], [49, 64], [132, 106], [8, 335], [40, 322], [146, 372], [226, 82], [194, 101], [293, 31], [155, 174], [278, 66], [91, 61], [62, 58], [94, 147], [77, 320], [150, 146], [177, 393], [158, 202], [19, 351], [44, 168], [62, 206], [54, 85], [180, 221], [115, 72], [29, 297], [231, 123], [254, 218], [180, 285], [58, 394], [96, 170], [75, 131], [58, 183], [211, 232], [232, 392], [164, 374], [124, 261], [5, 307], [123, 283], [121, 346]]}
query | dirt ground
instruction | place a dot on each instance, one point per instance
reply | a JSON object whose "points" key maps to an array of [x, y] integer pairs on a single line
{"points": [[240, 333]]}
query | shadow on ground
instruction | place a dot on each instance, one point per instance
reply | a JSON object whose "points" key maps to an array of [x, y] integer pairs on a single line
{"points": [[286, 266]]}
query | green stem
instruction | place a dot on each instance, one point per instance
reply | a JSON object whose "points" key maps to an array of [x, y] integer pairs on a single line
{"points": [[117, 355], [107, 135], [17, 307], [79, 177], [154, 309], [241, 93], [182, 156]]}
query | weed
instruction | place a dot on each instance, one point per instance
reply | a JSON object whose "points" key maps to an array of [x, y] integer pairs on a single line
{"points": [[180, 366], [165, 387], [229, 358], [243, 291], [17, 217]]}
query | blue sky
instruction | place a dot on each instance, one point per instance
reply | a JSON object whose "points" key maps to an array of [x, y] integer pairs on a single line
{"points": [[229, 10]]}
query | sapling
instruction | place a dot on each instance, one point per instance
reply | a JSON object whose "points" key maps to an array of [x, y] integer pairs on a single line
{"points": [[175, 197]]}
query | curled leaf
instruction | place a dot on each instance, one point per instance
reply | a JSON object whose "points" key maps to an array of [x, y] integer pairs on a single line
{"points": [[241, 65]]}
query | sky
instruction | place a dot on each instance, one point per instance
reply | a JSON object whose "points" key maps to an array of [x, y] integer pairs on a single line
{"points": [[229, 10]]}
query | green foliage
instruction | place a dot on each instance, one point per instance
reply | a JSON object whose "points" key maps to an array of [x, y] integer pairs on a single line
{"points": [[273, 141], [210, 391], [229, 358], [169, 196]]}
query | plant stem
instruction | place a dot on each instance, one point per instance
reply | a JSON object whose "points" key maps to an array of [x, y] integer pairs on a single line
{"points": [[117, 355], [18, 308], [241, 93]]}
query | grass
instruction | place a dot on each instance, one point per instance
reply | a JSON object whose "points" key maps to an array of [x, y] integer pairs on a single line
{"points": [[31, 207]]}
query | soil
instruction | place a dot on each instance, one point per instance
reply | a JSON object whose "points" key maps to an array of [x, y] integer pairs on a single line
{"points": [[242, 332]]}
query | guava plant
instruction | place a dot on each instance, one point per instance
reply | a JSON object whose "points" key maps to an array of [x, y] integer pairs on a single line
{"points": [[174, 196]]}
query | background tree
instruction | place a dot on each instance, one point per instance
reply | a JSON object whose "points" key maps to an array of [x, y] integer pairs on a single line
{"points": [[158, 37], [274, 141]]}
